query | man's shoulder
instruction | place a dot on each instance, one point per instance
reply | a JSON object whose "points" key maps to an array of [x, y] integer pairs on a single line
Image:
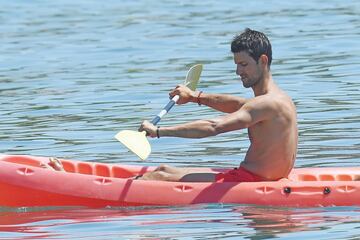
{"points": [[264, 99], [271, 101], [273, 97]]}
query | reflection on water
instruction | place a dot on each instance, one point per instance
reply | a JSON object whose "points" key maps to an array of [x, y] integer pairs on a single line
{"points": [[215, 221], [74, 73]]}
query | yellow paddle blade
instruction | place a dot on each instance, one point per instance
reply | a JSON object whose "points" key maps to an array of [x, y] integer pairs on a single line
{"points": [[193, 76], [135, 142]]}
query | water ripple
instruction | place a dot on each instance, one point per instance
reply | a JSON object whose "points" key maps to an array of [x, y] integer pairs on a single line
{"points": [[74, 73]]}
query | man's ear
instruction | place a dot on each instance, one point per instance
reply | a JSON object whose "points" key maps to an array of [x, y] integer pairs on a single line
{"points": [[264, 60]]}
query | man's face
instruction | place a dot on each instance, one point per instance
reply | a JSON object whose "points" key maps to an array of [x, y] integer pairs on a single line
{"points": [[249, 71]]}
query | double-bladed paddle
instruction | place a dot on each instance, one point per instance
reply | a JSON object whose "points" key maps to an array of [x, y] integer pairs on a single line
{"points": [[137, 142]]}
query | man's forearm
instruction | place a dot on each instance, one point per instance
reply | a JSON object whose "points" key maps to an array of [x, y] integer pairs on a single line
{"points": [[196, 129]]}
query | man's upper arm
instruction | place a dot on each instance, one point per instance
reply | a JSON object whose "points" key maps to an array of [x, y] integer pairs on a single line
{"points": [[252, 112]]}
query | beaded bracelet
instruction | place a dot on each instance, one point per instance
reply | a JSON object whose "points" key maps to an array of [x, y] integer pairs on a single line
{"points": [[198, 98], [157, 132]]}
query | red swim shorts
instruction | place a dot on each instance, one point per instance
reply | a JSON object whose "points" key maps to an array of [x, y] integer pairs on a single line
{"points": [[238, 175]]}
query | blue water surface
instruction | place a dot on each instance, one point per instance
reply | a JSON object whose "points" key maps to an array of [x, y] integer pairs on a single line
{"points": [[74, 73]]}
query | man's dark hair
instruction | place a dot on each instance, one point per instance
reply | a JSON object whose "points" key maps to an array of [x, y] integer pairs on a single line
{"points": [[254, 43]]}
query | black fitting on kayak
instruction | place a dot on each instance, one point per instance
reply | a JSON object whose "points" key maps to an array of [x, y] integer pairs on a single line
{"points": [[287, 190], [327, 190]]}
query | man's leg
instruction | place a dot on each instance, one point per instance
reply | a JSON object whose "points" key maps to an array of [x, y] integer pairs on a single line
{"points": [[173, 174]]}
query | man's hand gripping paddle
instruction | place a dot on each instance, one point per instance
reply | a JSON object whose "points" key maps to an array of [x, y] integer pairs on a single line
{"points": [[137, 142]]}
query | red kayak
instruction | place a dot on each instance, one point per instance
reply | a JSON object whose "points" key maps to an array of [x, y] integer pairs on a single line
{"points": [[24, 183]]}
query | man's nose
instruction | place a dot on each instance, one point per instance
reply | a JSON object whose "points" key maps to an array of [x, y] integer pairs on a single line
{"points": [[239, 70]]}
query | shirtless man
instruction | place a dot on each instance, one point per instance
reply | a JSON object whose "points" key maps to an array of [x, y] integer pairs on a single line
{"points": [[270, 117]]}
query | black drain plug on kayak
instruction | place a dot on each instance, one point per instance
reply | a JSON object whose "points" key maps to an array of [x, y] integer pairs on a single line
{"points": [[287, 190], [327, 190]]}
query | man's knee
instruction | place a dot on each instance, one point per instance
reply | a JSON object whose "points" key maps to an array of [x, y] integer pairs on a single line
{"points": [[160, 175], [163, 168]]}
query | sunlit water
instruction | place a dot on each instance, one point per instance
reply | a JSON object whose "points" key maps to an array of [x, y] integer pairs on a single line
{"points": [[74, 73]]}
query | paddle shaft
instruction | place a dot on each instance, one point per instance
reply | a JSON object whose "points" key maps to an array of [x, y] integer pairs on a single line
{"points": [[165, 110]]}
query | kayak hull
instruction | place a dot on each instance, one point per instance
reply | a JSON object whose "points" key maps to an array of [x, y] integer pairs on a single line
{"points": [[23, 183]]}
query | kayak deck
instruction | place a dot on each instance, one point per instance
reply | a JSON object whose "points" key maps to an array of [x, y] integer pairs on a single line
{"points": [[23, 182], [128, 171]]}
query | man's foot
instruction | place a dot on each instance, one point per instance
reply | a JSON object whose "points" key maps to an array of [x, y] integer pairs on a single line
{"points": [[54, 164]]}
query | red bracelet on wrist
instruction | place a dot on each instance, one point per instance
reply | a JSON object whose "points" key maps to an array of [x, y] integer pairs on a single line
{"points": [[198, 98]]}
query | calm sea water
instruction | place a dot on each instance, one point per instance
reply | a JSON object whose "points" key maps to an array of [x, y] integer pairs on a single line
{"points": [[74, 73]]}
